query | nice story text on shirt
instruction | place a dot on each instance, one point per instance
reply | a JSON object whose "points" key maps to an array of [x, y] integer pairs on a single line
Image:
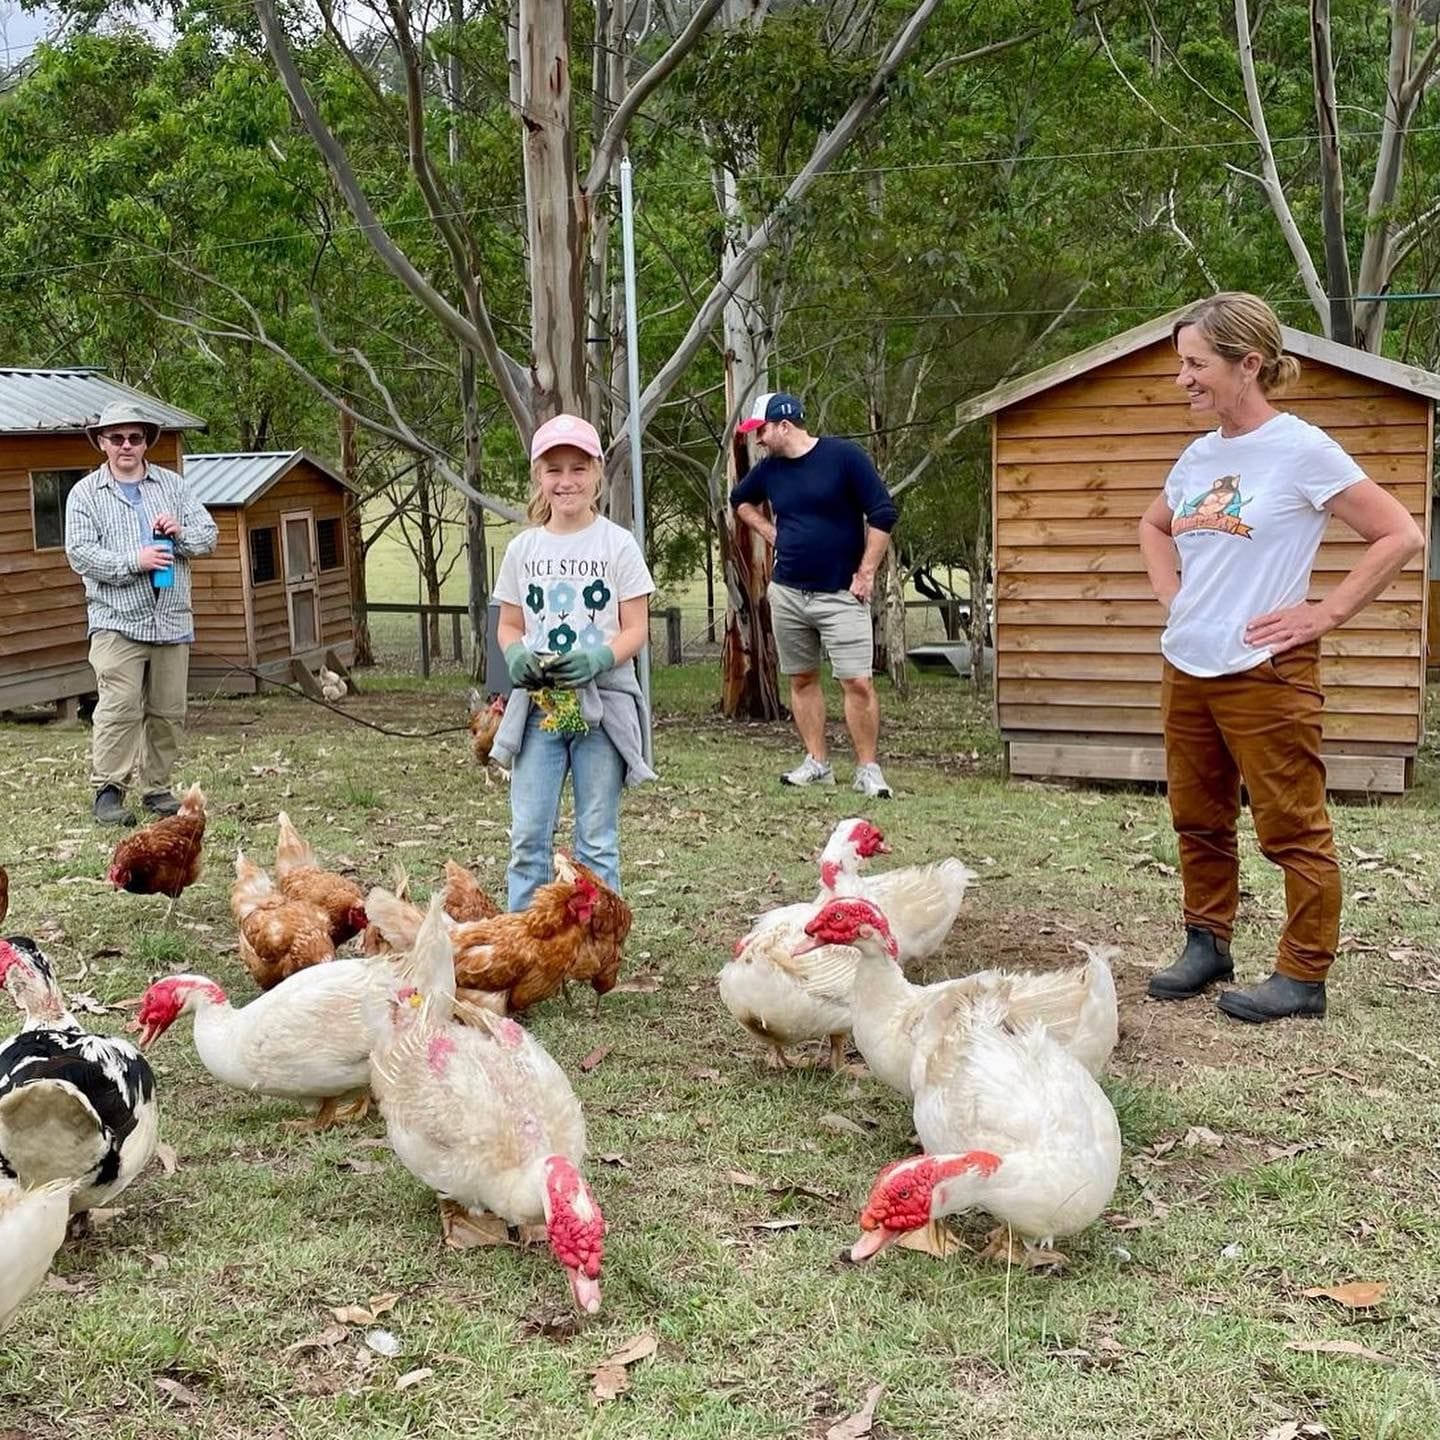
{"points": [[563, 569]]}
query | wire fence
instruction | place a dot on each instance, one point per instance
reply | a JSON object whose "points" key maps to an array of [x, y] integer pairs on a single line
{"points": [[407, 639]]}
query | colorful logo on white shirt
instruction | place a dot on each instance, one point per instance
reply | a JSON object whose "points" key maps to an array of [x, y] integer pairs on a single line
{"points": [[1217, 508]]}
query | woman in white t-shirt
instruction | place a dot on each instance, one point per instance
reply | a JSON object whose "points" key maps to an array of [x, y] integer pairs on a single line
{"points": [[574, 592], [1244, 510]]}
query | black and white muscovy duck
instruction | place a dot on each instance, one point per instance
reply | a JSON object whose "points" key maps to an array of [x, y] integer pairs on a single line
{"points": [[73, 1106]]}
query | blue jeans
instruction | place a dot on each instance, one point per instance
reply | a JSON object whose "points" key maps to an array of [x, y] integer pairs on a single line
{"points": [[536, 780]]}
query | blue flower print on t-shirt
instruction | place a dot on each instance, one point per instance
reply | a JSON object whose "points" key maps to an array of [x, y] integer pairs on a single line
{"points": [[597, 595], [561, 640], [535, 599], [562, 597], [591, 637]]}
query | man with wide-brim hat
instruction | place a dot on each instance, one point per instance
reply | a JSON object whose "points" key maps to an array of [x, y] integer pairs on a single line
{"points": [[131, 531]]}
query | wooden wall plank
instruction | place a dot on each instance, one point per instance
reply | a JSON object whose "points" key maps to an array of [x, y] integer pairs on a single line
{"points": [[1128, 504], [1149, 475], [1106, 387], [1380, 616], [1043, 449], [1335, 416], [1352, 640], [1340, 554], [1117, 720], [1122, 586], [1391, 671], [1145, 695]]}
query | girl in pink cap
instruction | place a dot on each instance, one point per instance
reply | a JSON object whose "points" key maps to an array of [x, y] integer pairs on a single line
{"points": [[574, 595]]}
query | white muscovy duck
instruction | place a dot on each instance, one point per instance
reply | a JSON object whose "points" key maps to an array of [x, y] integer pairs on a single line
{"points": [[921, 902], [483, 1115], [307, 1039], [1012, 1124], [74, 1107], [32, 1229], [1077, 1006], [783, 999]]}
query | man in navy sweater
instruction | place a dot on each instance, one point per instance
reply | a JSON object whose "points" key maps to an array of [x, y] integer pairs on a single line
{"points": [[823, 492]]}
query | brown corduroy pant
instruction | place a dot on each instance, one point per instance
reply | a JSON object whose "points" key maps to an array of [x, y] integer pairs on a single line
{"points": [[1262, 728]]}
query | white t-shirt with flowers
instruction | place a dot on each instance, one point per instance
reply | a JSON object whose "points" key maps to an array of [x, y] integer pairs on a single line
{"points": [[569, 587]]}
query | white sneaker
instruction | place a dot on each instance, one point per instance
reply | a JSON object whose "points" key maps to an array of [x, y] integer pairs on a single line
{"points": [[809, 771], [870, 782]]}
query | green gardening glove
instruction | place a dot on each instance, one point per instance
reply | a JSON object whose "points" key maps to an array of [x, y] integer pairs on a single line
{"points": [[524, 666], [580, 667]]}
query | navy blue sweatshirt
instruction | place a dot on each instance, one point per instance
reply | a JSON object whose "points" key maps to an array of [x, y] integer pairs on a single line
{"points": [[821, 503]]}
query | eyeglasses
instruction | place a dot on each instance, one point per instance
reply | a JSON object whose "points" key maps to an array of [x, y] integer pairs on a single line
{"points": [[135, 438]]}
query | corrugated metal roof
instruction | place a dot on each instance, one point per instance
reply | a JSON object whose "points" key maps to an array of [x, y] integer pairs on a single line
{"points": [[66, 401], [239, 478]]}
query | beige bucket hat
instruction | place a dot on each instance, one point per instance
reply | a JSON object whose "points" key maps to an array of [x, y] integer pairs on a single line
{"points": [[123, 412]]}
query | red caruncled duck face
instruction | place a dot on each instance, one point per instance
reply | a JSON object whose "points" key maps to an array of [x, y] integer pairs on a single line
{"points": [[904, 1192], [867, 840], [841, 922], [576, 1230], [164, 1001]]}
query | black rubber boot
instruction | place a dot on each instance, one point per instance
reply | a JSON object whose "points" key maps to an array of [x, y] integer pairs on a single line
{"points": [[1278, 998], [110, 806], [161, 802], [1204, 960]]}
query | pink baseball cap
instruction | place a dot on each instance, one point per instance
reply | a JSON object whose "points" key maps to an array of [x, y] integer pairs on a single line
{"points": [[566, 430]]}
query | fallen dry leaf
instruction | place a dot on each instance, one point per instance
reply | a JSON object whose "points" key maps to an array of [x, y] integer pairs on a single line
{"points": [[702, 1072], [742, 1177], [858, 1426], [327, 1339], [1339, 1347], [362, 1167], [787, 1224], [609, 1376], [414, 1377], [465, 1230], [102, 1216], [64, 1286], [1202, 1137], [614, 1158], [1357, 1295], [169, 1161], [840, 1125], [934, 1239], [371, 1310], [1295, 1430], [638, 985], [179, 1394], [594, 1058]]}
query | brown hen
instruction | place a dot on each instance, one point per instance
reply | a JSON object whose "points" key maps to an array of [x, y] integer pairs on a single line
{"points": [[484, 722], [163, 858], [300, 877], [598, 959], [278, 935], [466, 898]]}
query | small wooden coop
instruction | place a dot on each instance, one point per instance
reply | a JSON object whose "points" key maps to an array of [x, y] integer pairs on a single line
{"points": [[274, 598], [44, 450], [1079, 449]]}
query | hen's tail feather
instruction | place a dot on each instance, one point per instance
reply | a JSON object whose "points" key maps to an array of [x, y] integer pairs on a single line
{"points": [[397, 920], [291, 852]]}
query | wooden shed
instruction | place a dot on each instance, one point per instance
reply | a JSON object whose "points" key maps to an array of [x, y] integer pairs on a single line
{"points": [[274, 598], [43, 451], [1079, 449]]}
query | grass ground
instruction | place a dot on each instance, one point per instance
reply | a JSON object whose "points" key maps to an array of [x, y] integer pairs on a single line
{"points": [[1259, 1163]]}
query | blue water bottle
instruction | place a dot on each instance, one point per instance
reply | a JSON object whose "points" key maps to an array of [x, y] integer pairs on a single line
{"points": [[163, 579]]}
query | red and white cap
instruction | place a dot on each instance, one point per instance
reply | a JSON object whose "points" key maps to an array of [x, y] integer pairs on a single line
{"points": [[566, 430], [774, 405]]}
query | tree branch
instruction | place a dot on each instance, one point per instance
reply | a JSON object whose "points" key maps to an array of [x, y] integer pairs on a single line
{"points": [[640, 92], [827, 150], [1270, 176], [477, 336], [1332, 178]]}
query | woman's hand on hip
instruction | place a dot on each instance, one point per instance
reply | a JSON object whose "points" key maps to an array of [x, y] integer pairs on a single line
{"points": [[1282, 630]]}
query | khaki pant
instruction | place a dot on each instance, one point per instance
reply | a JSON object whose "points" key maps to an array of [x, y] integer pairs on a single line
{"points": [[1261, 727], [138, 717], [804, 620]]}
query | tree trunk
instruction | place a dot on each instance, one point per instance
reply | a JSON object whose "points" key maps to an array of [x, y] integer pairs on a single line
{"points": [[429, 553], [1332, 180], [750, 687], [979, 596], [889, 607], [355, 536], [556, 213]]}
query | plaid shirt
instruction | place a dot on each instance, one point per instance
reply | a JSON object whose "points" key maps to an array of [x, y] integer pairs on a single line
{"points": [[103, 535]]}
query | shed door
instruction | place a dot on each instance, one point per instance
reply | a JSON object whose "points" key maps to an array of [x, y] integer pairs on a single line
{"points": [[302, 590]]}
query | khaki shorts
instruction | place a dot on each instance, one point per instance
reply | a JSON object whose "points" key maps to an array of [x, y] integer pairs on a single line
{"points": [[804, 620]]}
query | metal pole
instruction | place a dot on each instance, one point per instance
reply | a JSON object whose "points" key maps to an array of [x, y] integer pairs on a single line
{"points": [[632, 386]]}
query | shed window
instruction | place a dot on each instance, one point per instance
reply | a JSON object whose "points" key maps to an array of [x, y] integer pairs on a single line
{"points": [[330, 544], [49, 489], [264, 557]]}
